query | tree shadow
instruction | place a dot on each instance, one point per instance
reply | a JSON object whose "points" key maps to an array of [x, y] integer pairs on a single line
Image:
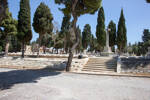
{"points": [[112, 64], [10, 78]]}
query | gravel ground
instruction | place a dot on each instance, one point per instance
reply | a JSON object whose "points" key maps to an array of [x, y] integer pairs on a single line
{"points": [[45, 85]]}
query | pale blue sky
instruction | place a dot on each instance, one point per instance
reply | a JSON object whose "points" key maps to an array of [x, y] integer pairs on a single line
{"points": [[137, 15]]}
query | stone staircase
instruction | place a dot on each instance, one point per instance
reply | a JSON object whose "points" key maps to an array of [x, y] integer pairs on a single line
{"points": [[101, 65]]}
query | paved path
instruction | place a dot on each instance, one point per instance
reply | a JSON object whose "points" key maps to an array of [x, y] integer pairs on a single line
{"points": [[45, 85]]}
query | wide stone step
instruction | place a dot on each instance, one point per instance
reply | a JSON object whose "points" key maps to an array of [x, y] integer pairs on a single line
{"points": [[102, 60], [99, 70], [88, 66], [101, 65], [109, 64]]}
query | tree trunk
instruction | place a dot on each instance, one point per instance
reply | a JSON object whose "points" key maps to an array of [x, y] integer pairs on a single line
{"points": [[65, 45], [53, 51], [40, 37], [22, 49], [68, 67], [44, 49], [6, 46], [57, 51]]}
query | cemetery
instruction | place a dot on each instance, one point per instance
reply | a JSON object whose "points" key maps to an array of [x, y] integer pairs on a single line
{"points": [[74, 50]]}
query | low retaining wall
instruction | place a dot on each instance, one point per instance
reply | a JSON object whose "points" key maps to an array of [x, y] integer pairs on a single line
{"points": [[45, 55], [41, 63], [133, 65]]}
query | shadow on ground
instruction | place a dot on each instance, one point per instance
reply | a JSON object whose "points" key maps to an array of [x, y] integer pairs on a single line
{"points": [[10, 78], [112, 63]]}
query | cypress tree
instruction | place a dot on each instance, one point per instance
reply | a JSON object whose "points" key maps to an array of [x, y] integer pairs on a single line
{"points": [[2, 40], [86, 36], [65, 31], [146, 35], [77, 8], [42, 21], [92, 43], [148, 1], [112, 34], [79, 47], [24, 24], [65, 24], [3, 7], [58, 43], [121, 33], [10, 28], [100, 29]]}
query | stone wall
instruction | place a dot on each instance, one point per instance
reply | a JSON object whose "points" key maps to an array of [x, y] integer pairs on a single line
{"points": [[58, 64], [45, 55], [133, 65]]}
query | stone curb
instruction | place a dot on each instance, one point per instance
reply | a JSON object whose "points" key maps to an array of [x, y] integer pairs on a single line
{"points": [[20, 67], [109, 74]]}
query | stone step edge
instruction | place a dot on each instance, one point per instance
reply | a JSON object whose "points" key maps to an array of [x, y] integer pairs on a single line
{"points": [[20, 67], [112, 74]]}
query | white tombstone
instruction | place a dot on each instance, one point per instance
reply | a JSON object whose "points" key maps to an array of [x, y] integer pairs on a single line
{"points": [[84, 52], [28, 49]]}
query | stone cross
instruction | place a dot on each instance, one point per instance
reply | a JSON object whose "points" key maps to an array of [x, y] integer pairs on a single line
{"points": [[107, 48], [107, 37]]}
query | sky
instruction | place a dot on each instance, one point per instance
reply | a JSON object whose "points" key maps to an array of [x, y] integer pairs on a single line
{"points": [[136, 12]]}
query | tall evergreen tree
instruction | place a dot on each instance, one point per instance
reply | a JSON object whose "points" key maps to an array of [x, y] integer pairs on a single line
{"points": [[42, 21], [3, 7], [65, 31], [86, 36], [77, 8], [121, 33], [146, 35], [148, 1], [79, 47], [58, 42], [112, 34], [15, 45], [46, 41], [92, 43], [100, 29], [2, 39], [10, 28], [24, 24]]}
